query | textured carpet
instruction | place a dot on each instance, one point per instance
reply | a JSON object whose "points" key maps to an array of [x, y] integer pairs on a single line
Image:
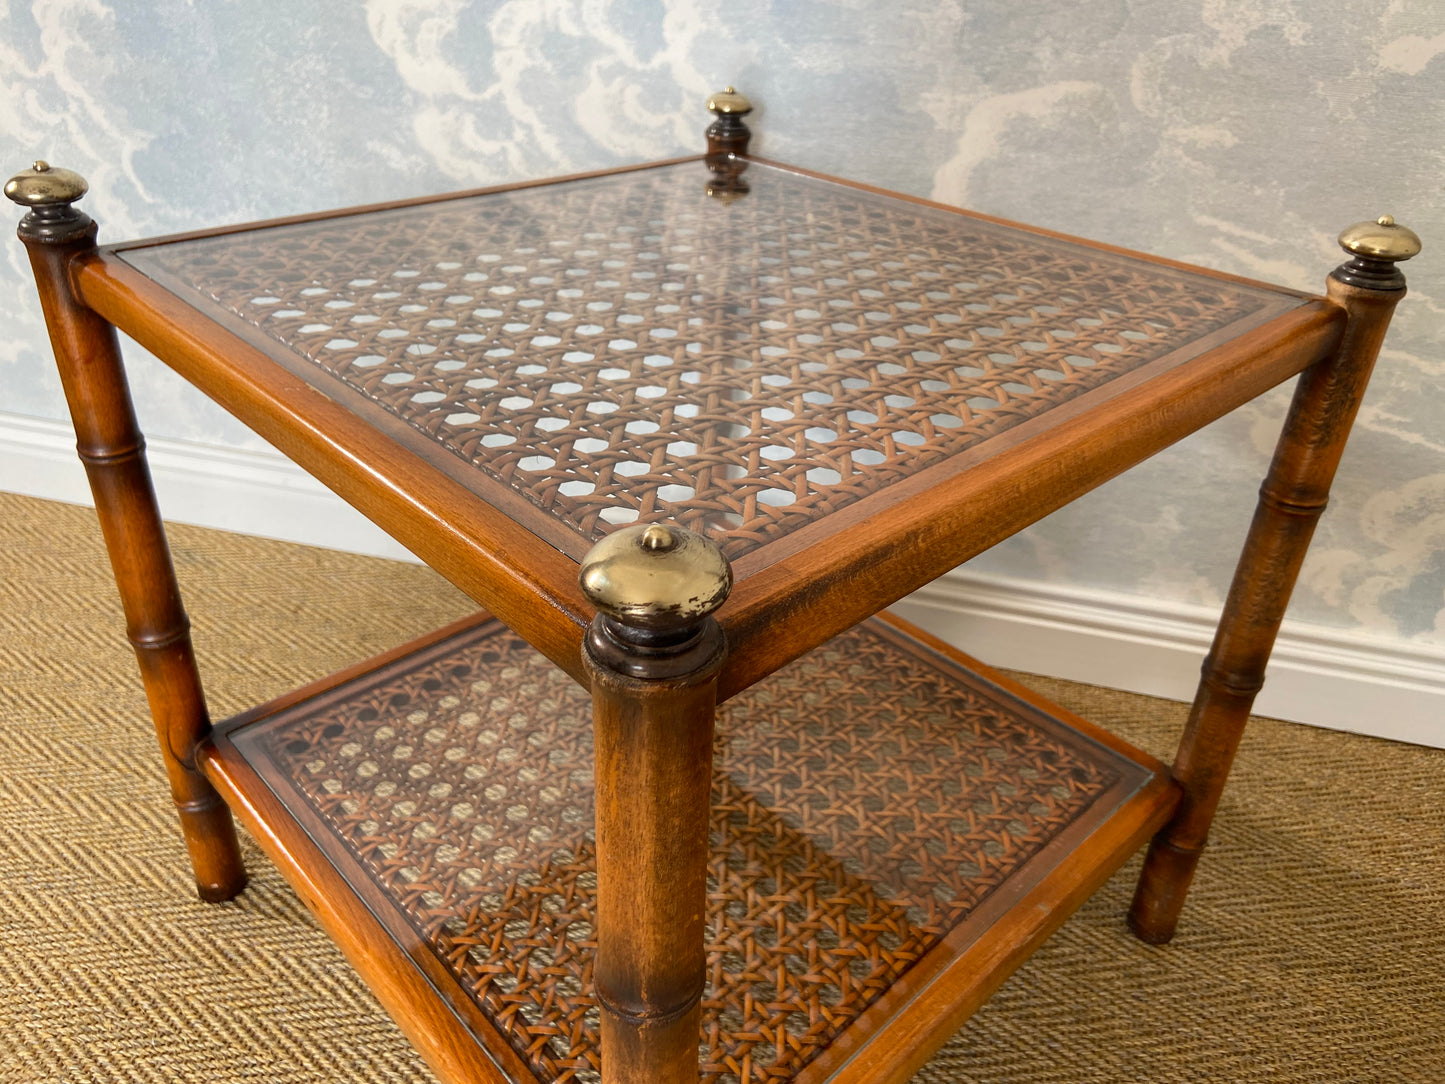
{"points": [[1313, 948]]}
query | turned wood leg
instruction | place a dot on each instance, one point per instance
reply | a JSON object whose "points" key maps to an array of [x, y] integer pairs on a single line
{"points": [[654, 655], [111, 447], [1291, 499]]}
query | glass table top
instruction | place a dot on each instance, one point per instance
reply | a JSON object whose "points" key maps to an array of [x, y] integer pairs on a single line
{"points": [[625, 348]]}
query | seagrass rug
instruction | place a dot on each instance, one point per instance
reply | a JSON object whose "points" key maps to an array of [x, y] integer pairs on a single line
{"points": [[1313, 947]]}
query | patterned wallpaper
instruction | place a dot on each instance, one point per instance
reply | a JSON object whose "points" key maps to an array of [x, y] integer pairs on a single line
{"points": [[1240, 134]]}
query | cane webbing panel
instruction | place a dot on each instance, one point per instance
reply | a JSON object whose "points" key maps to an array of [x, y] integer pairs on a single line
{"points": [[867, 800], [625, 348]]}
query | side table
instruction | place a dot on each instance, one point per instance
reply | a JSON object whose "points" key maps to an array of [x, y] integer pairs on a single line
{"points": [[677, 803]]}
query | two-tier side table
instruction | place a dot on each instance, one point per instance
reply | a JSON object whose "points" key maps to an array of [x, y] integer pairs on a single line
{"points": [[683, 430]]}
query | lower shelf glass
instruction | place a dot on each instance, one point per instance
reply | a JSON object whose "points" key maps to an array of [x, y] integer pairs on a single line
{"points": [[881, 816]]}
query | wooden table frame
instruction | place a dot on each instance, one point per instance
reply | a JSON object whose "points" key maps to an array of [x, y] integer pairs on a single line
{"points": [[659, 728]]}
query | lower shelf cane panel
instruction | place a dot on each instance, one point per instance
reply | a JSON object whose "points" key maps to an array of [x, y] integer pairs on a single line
{"points": [[876, 810]]}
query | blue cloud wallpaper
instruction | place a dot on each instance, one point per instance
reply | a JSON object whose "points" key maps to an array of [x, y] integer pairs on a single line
{"points": [[1238, 134]]}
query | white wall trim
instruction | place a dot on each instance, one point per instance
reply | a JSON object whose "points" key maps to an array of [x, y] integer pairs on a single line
{"points": [[1327, 677], [1335, 678], [253, 492]]}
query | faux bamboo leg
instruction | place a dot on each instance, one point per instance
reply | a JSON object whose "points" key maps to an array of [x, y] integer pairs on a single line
{"points": [[654, 660], [654, 763], [1291, 499], [110, 445]]}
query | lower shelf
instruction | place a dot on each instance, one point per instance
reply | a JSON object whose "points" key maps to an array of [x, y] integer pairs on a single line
{"points": [[892, 832]]}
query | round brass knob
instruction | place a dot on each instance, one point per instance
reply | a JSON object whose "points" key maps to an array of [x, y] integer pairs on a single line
{"points": [[43, 185], [729, 103], [656, 576], [1382, 239]]}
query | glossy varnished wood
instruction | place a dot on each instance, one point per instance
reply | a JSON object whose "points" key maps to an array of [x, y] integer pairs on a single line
{"points": [[949, 332], [110, 446], [653, 654], [782, 611], [616, 951], [654, 773], [814, 581], [456, 1040], [914, 1023], [531, 587], [1291, 500], [400, 943]]}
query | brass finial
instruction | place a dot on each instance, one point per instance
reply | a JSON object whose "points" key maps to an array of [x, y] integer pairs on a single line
{"points": [[658, 539], [42, 185], [1382, 239], [656, 577], [729, 103]]}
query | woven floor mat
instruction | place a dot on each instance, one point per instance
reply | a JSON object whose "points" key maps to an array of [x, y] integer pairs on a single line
{"points": [[1313, 948]]}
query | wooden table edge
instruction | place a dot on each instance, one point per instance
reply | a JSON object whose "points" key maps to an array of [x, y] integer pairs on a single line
{"points": [[982, 505], [532, 586], [445, 1035]]}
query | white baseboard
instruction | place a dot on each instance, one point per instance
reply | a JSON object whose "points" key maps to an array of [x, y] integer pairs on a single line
{"points": [[260, 493], [1334, 678], [1326, 677]]}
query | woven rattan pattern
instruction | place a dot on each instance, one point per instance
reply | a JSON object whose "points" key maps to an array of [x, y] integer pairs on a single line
{"points": [[625, 348], [1314, 951], [864, 803]]}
